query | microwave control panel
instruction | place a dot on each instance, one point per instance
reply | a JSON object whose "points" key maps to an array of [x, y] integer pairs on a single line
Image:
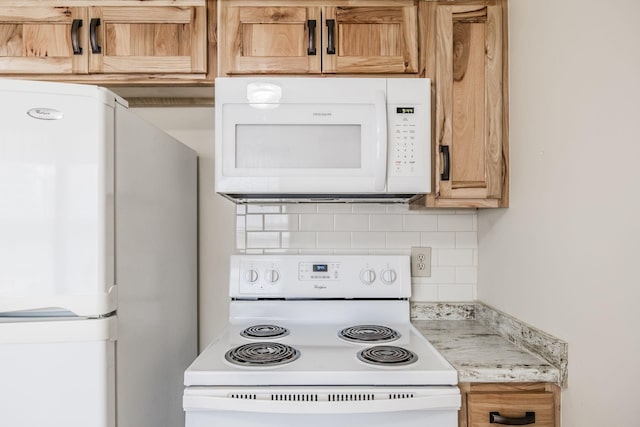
{"points": [[405, 154]]}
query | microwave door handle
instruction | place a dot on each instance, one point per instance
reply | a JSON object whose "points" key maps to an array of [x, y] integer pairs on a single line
{"points": [[380, 180]]}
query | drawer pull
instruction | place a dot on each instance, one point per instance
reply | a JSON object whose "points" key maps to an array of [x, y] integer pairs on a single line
{"points": [[496, 418]]}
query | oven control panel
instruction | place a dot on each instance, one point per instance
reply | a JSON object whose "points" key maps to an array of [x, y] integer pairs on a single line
{"points": [[322, 277]]}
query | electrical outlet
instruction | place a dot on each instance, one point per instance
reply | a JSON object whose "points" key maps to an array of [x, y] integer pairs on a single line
{"points": [[420, 262]]}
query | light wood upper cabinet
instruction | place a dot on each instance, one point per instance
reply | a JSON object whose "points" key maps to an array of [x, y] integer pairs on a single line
{"points": [[467, 63], [311, 37], [159, 39], [107, 41], [37, 40]]}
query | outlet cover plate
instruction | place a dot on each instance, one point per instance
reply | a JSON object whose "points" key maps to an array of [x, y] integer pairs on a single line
{"points": [[420, 262]]}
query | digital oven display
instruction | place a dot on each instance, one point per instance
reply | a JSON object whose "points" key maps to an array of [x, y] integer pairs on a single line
{"points": [[320, 268], [405, 110]]}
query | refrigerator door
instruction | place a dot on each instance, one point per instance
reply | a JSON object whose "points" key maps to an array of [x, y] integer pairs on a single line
{"points": [[56, 192], [57, 373]]}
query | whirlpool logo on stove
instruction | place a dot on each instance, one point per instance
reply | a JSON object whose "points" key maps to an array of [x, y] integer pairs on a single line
{"points": [[45, 114]]}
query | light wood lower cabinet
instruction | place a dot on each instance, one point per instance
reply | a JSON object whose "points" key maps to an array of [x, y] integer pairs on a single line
{"points": [[466, 59], [530, 404], [105, 41], [318, 37]]}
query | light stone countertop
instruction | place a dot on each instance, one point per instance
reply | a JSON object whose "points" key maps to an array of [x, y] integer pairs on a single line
{"points": [[467, 336]]}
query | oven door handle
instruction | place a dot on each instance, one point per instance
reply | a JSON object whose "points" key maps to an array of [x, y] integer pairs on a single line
{"points": [[380, 181], [192, 402]]}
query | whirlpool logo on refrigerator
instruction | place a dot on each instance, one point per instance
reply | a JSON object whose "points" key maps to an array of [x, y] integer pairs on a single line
{"points": [[45, 114]]}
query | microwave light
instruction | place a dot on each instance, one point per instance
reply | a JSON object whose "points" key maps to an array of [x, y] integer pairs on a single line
{"points": [[263, 95]]}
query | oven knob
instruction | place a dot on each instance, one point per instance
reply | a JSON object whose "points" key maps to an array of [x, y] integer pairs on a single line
{"points": [[389, 276], [272, 276], [251, 276], [367, 276]]}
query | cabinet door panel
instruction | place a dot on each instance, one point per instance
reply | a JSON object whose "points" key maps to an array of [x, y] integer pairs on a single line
{"points": [[269, 40], [150, 40], [469, 112], [371, 39], [511, 405], [38, 40]]}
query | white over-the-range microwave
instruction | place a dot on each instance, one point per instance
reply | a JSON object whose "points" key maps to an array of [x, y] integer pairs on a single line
{"points": [[300, 139]]}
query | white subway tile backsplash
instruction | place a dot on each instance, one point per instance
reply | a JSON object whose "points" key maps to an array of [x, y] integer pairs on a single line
{"points": [[387, 222], [281, 222], [334, 207], [402, 239], [352, 222], [466, 274], [368, 208], [316, 222], [437, 239], [467, 239], [263, 240], [371, 228], [454, 293], [368, 240], [299, 239], [263, 209], [421, 222], [253, 223], [421, 292], [300, 208], [334, 239], [455, 257], [455, 222]]}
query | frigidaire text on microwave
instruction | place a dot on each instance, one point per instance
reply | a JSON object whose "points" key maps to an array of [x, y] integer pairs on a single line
{"points": [[322, 139]]}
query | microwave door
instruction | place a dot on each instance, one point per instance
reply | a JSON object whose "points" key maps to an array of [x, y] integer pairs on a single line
{"points": [[303, 148]]}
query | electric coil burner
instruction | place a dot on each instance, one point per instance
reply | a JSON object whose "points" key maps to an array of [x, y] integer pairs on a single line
{"points": [[262, 354], [387, 355], [317, 341], [369, 333], [264, 331]]}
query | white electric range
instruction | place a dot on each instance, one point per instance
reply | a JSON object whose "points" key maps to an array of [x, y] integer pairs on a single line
{"points": [[317, 340]]}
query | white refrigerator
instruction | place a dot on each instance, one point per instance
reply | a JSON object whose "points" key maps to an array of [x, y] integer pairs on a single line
{"points": [[98, 261]]}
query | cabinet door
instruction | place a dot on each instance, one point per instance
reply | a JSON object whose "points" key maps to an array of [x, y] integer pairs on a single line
{"points": [[149, 39], [271, 39], [43, 40], [470, 156], [370, 39], [491, 409]]}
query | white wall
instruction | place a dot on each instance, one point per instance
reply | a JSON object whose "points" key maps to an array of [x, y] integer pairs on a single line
{"points": [[564, 256], [216, 215]]}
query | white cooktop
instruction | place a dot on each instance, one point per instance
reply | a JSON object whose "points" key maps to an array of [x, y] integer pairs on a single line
{"points": [[325, 358]]}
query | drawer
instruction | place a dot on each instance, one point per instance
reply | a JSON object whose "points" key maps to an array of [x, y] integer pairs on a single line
{"points": [[511, 408]]}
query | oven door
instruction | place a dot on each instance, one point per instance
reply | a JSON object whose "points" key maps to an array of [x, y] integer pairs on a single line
{"points": [[302, 148], [312, 407]]}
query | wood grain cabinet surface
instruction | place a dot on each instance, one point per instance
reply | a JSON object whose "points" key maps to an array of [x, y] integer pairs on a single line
{"points": [[467, 61], [530, 404], [313, 37], [106, 41]]}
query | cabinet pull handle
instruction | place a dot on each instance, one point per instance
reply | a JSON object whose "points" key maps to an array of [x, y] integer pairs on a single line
{"points": [[95, 47], [311, 50], [446, 161], [496, 418], [331, 30], [75, 40]]}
